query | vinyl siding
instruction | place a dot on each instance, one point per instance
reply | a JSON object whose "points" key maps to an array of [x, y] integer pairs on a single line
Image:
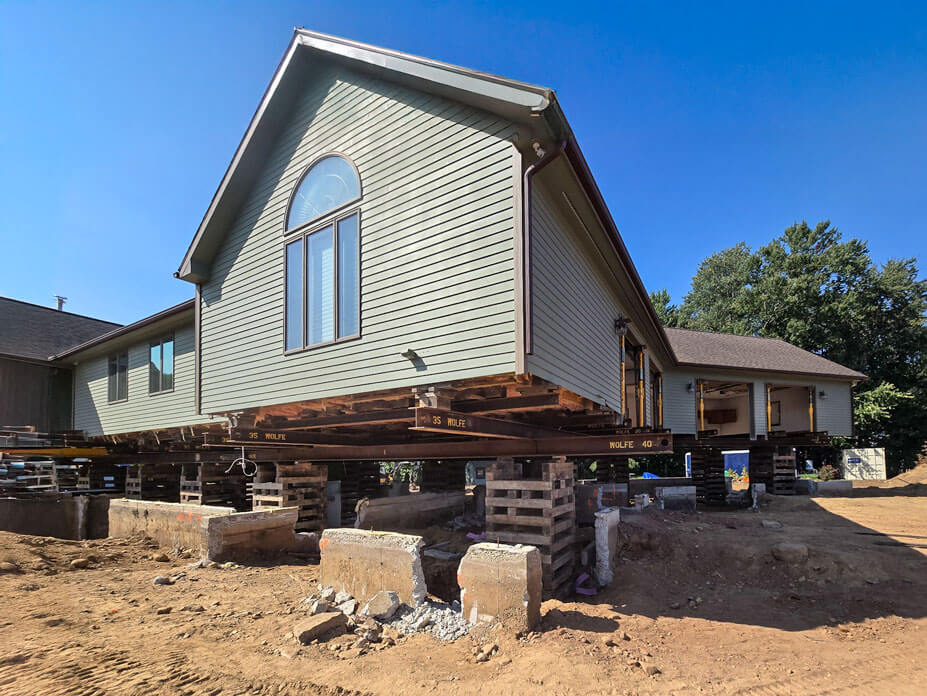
{"points": [[141, 411], [574, 309], [833, 413], [437, 250]]}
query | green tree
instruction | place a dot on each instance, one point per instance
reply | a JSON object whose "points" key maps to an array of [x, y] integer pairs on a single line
{"points": [[720, 293], [666, 310]]}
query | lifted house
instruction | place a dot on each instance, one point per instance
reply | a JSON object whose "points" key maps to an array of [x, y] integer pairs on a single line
{"points": [[411, 260]]}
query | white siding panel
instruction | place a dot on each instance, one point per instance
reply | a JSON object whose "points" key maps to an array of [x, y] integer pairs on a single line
{"points": [[141, 411], [437, 250]]}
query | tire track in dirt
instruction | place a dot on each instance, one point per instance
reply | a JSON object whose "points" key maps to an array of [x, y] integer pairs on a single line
{"points": [[899, 674], [94, 671]]}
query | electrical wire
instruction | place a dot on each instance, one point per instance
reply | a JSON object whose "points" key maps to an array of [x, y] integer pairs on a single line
{"points": [[243, 462]]}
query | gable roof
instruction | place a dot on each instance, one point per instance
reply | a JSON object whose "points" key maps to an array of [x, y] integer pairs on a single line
{"points": [[532, 106], [704, 349], [32, 331], [187, 306]]}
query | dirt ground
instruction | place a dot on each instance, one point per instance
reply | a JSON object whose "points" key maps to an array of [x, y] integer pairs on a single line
{"points": [[699, 599]]}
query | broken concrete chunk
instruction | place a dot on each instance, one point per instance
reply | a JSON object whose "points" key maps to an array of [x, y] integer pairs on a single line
{"points": [[362, 563], [320, 626], [348, 608], [319, 607], [382, 605], [771, 524], [306, 543], [342, 597], [499, 582], [328, 594], [606, 544]]}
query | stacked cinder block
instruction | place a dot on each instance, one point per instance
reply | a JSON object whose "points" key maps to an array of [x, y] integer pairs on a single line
{"points": [[533, 503], [297, 484]]}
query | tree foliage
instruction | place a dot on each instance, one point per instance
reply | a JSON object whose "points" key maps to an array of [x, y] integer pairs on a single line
{"points": [[814, 289]]}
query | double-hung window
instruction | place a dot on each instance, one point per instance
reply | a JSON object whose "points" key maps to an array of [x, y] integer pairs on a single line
{"points": [[322, 256], [161, 365], [117, 382]]}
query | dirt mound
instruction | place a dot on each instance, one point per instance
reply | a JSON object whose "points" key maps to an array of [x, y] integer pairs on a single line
{"points": [[911, 477]]}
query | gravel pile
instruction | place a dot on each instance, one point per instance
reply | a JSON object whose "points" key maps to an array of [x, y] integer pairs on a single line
{"points": [[441, 620]]}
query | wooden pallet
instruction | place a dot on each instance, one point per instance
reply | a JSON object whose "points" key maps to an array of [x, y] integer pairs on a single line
{"points": [[153, 482], [301, 485], [708, 476], [533, 503], [783, 474], [206, 483]]}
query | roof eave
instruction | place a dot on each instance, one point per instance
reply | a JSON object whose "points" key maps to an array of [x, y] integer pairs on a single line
{"points": [[858, 377]]}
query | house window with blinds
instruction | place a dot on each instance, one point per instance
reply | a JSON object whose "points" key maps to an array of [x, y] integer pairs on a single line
{"points": [[322, 256], [118, 377]]}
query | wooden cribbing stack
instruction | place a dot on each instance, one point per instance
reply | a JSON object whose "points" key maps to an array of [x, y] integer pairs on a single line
{"points": [[298, 484], [206, 483], [533, 503], [784, 474], [102, 476], [708, 476], [153, 482], [775, 469]]}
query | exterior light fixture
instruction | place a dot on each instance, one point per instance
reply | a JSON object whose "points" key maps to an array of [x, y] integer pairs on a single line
{"points": [[410, 354], [621, 326], [822, 394], [690, 388]]}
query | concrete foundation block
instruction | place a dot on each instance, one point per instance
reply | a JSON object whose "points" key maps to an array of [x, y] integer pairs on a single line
{"points": [[837, 489], [676, 498], [216, 533], [363, 563], [606, 544], [501, 583]]}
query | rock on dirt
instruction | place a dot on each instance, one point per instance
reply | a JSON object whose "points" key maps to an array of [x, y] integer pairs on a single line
{"points": [[348, 608], [771, 524], [790, 552], [162, 580], [163, 610], [7, 567], [320, 626], [80, 563], [382, 605], [160, 558]]}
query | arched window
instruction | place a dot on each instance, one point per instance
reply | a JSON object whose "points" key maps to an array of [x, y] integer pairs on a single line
{"points": [[327, 185], [322, 286]]}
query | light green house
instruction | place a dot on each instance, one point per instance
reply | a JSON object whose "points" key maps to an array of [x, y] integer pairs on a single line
{"points": [[391, 223]]}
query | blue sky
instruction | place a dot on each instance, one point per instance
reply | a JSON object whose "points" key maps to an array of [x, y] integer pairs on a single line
{"points": [[704, 123]]}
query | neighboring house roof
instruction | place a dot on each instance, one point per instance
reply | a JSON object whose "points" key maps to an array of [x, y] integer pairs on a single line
{"points": [[534, 107], [32, 331], [186, 306], [704, 349]]}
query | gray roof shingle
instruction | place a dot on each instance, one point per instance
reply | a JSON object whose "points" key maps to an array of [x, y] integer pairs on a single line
{"points": [[33, 331], [703, 349]]}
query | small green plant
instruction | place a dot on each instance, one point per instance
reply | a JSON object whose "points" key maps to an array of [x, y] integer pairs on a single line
{"points": [[828, 472]]}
